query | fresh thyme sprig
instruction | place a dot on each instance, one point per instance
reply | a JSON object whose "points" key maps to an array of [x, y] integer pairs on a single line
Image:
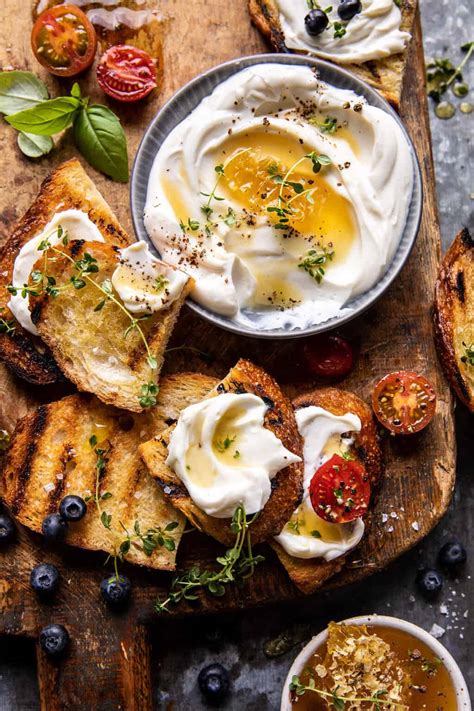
{"points": [[339, 702], [314, 262], [236, 565], [329, 125], [206, 207], [84, 268], [468, 357], [149, 541], [441, 73], [7, 327], [283, 208]]}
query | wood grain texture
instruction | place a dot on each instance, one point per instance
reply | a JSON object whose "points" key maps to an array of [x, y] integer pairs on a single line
{"points": [[107, 667]]}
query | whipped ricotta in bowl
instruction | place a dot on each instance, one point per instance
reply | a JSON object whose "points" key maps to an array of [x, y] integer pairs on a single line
{"points": [[373, 33], [234, 200], [307, 535]]}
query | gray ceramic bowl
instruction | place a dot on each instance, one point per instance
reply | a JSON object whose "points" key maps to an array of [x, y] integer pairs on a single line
{"points": [[187, 98]]}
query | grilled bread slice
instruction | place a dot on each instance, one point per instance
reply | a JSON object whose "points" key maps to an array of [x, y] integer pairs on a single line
{"points": [[287, 486], [454, 316], [385, 74], [50, 456], [308, 575], [68, 187], [92, 340]]}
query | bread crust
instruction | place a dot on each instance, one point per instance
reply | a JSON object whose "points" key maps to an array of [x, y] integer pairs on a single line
{"points": [[74, 331], [53, 440], [287, 486], [66, 188], [309, 575], [453, 315], [385, 75]]}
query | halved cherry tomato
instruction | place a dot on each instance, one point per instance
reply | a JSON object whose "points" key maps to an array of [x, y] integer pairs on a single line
{"points": [[126, 73], [64, 41], [340, 490], [328, 356], [404, 402]]}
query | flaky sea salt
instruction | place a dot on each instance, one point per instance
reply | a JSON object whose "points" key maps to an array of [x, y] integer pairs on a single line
{"points": [[437, 631], [415, 526], [49, 487]]}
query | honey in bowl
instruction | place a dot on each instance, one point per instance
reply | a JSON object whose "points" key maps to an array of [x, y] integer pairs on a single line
{"points": [[373, 667]]}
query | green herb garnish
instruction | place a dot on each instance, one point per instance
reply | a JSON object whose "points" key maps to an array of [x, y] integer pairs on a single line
{"points": [[149, 394], [329, 125], [294, 525], [223, 445], [161, 282], [339, 702], [206, 207], [235, 566], [283, 208], [339, 29], [97, 131], [441, 73], [314, 262]]}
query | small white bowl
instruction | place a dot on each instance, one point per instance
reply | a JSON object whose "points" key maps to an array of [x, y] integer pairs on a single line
{"points": [[459, 684]]}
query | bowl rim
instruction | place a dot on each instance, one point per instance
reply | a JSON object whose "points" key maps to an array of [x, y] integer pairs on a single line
{"points": [[452, 667], [197, 85]]}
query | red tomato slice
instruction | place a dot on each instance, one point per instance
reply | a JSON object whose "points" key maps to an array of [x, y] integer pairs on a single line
{"points": [[329, 356], [340, 490], [126, 73], [64, 41], [404, 402]]}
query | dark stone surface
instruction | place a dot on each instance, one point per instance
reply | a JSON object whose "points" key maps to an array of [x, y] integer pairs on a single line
{"points": [[181, 648]]}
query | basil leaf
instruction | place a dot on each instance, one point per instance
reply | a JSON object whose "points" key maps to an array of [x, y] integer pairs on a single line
{"points": [[46, 118], [101, 140], [19, 91], [76, 90], [34, 146]]}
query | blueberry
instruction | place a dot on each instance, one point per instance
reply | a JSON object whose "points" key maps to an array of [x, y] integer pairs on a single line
{"points": [[429, 582], [7, 529], [348, 8], [44, 579], [54, 639], [214, 682], [116, 591], [72, 508], [54, 527], [316, 22], [452, 555]]}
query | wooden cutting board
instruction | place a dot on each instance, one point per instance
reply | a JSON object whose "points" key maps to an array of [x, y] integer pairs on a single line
{"points": [[108, 664]]}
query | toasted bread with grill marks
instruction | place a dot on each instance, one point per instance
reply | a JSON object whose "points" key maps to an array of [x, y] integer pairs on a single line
{"points": [[454, 316], [68, 187], [287, 486], [384, 74], [50, 456], [309, 575], [93, 347]]}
